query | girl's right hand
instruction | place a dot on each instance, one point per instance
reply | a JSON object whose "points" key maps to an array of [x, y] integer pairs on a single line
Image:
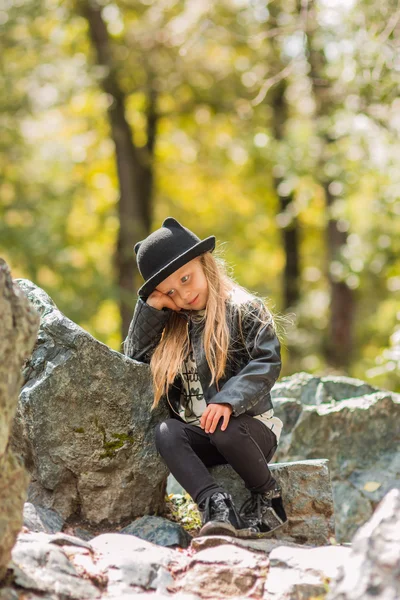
{"points": [[159, 300]]}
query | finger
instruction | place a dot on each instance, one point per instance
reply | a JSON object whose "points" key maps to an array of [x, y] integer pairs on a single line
{"points": [[204, 417], [215, 421], [209, 419], [226, 420]]}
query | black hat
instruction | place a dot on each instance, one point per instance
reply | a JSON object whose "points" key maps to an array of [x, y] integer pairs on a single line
{"points": [[166, 250]]}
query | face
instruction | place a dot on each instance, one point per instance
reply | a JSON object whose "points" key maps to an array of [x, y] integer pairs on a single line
{"points": [[187, 284]]}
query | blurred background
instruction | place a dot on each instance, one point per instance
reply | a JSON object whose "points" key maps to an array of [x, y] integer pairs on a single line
{"points": [[272, 125]]}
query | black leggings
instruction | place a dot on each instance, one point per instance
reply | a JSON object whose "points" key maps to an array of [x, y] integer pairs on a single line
{"points": [[246, 444]]}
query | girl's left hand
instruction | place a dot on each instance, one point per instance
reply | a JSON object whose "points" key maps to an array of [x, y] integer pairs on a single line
{"points": [[212, 414]]}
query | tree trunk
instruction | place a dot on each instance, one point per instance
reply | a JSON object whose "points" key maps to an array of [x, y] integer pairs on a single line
{"points": [[134, 167], [339, 343], [290, 237]]}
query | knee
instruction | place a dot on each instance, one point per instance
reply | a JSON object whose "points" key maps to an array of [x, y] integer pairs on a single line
{"points": [[166, 433], [225, 438]]}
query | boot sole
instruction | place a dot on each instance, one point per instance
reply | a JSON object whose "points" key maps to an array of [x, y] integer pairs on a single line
{"points": [[251, 534], [218, 528]]}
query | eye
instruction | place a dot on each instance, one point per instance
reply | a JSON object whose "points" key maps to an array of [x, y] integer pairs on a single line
{"points": [[186, 277]]}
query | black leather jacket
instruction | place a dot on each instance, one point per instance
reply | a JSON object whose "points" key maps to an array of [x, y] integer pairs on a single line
{"points": [[252, 367]]}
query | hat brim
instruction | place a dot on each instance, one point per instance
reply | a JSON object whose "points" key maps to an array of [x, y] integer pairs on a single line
{"points": [[206, 245]]}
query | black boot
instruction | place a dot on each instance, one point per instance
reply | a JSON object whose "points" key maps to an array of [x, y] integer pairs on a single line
{"points": [[219, 515], [263, 513]]}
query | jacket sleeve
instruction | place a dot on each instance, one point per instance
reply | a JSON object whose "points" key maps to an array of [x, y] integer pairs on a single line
{"points": [[145, 330], [258, 376]]}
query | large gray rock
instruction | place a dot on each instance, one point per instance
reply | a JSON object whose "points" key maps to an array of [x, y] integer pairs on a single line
{"points": [[158, 530], [84, 425], [372, 570], [307, 497], [353, 425], [19, 324]]}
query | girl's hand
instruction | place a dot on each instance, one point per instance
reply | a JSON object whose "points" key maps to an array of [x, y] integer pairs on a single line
{"points": [[159, 300], [212, 414]]}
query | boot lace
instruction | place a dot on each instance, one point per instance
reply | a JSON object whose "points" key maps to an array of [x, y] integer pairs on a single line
{"points": [[215, 508], [255, 506], [251, 509]]}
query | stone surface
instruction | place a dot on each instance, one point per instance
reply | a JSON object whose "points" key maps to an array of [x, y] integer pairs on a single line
{"points": [[372, 570], [303, 572], [19, 324], [308, 389], [44, 567], [37, 518], [223, 572], [353, 425], [259, 545], [307, 497], [84, 425], [132, 564], [159, 531]]}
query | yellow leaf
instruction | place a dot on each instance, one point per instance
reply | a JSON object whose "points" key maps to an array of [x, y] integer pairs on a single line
{"points": [[372, 486]]}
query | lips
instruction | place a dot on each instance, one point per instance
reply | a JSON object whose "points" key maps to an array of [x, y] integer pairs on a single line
{"points": [[194, 299]]}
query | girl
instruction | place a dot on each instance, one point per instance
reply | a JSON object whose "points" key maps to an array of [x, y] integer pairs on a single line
{"points": [[214, 357]]}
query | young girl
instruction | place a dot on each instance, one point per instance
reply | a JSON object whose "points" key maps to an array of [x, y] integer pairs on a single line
{"points": [[214, 357]]}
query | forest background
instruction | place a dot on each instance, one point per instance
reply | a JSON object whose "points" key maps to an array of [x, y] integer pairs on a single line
{"points": [[272, 125]]}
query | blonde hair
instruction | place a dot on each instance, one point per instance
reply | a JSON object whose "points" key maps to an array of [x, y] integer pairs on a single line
{"points": [[173, 347]]}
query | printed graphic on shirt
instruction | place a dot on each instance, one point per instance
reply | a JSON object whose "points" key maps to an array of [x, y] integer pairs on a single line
{"points": [[192, 397]]}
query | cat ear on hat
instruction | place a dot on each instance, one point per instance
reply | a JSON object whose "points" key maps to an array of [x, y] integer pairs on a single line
{"points": [[170, 221], [137, 246]]}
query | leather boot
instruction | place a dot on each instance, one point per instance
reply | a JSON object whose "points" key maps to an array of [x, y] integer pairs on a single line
{"points": [[263, 513], [219, 515]]}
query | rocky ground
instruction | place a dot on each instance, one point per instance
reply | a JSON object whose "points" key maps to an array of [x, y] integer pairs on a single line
{"points": [[58, 566]]}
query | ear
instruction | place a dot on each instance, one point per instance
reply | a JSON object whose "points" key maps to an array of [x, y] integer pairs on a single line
{"points": [[170, 221], [136, 247]]}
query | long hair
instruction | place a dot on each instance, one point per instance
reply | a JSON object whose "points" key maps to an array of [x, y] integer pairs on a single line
{"points": [[173, 347]]}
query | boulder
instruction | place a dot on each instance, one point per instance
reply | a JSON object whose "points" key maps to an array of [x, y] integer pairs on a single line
{"points": [[84, 426], [19, 324], [158, 530], [306, 494], [372, 569], [353, 425]]}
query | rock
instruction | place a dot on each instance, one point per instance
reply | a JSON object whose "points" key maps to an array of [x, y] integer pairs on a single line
{"points": [[19, 324], [357, 434], [352, 508], [84, 425], [37, 518], [223, 572], [59, 539], [44, 567], [303, 573], [173, 487], [310, 390], [159, 531], [307, 497], [264, 545], [83, 534], [132, 564], [372, 569]]}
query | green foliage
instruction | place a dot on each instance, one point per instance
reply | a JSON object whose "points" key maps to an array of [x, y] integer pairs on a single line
{"points": [[217, 156], [180, 508]]}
